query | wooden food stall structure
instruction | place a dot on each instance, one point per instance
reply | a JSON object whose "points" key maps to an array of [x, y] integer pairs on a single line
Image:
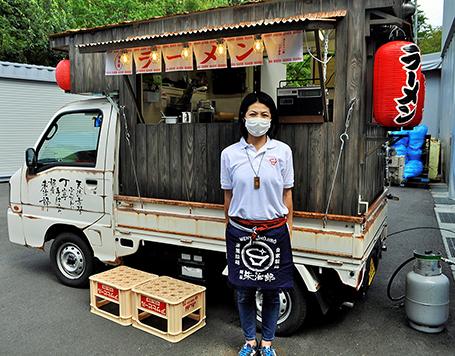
{"points": [[188, 164], [177, 197]]}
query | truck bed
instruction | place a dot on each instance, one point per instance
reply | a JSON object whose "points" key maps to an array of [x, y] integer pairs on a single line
{"points": [[345, 242]]}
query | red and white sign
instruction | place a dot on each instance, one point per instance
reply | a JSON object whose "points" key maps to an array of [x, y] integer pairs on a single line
{"points": [[144, 62], [242, 52], [153, 305], [207, 56], [190, 303], [119, 62], [174, 60], [284, 47], [107, 291]]}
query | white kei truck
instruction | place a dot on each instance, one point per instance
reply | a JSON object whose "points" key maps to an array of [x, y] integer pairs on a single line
{"points": [[67, 192]]}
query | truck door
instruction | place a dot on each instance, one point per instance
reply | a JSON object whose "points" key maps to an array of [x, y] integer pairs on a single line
{"points": [[68, 184]]}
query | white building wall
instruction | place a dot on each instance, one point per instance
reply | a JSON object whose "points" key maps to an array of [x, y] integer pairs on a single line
{"points": [[26, 106], [447, 115], [431, 106], [447, 95]]}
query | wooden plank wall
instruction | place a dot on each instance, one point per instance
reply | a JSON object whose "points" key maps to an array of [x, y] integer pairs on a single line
{"points": [[87, 70], [182, 162], [374, 170], [372, 159]]}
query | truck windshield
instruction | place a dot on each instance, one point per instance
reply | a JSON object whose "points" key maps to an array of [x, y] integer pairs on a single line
{"points": [[71, 140]]}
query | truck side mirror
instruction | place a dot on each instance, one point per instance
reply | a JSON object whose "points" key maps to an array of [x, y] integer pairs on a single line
{"points": [[31, 160]]}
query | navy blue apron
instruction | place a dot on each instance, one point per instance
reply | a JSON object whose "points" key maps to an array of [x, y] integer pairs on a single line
{"points": [[264, 263]]}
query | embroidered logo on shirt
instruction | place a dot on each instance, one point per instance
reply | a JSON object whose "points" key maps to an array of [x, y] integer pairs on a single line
{"points": [[273, 161]]}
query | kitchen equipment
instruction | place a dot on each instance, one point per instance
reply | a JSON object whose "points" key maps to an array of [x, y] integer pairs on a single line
{"points": [[171, 119], [187, 117], [299, 101], [205, 111]]}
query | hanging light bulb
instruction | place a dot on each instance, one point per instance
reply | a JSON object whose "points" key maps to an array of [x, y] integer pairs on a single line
{"points": [[124, 58], [220, 47], [154, 56], [186, 51], [258, 44]]}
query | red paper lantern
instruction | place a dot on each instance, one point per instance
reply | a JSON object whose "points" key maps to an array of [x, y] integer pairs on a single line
{"points": [[63, 75], [398, 85]]}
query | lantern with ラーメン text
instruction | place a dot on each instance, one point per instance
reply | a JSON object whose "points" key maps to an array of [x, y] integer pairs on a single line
{"points": [[63, 75], [398, 85]]}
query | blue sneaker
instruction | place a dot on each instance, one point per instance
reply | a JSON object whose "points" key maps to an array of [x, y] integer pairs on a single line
{"points": [[267, 351], [248, 350]]}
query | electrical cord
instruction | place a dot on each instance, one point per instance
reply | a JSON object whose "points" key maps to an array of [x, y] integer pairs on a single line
{"points": [[389, 285], [421, 228]]}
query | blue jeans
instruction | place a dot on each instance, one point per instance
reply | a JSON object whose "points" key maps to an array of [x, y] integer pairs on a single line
{"points": [[246, 301]]}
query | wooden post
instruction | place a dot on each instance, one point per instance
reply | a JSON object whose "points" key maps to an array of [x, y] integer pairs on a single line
{"points": [[354, 89], [321, 76]]}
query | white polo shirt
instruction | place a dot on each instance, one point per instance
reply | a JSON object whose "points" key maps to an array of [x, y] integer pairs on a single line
{"points": [[276, 173]]}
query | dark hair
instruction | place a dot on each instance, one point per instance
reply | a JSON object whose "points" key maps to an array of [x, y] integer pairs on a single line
{"points": [[263, 98]]}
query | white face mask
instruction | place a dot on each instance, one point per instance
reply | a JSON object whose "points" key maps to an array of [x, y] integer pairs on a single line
{"points": [[257, 127]]}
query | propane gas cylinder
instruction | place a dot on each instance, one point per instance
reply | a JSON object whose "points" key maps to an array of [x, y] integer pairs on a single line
{"points": [[427, 294]]}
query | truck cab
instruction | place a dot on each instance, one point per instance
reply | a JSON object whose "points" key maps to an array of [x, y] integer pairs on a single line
{"points": [[64, 190]]}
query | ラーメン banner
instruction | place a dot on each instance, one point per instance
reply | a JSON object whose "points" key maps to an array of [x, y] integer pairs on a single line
{"points": [[119, 62], [146, 61], [207, 55], [242, 53], [283, 47], [174, 58]]}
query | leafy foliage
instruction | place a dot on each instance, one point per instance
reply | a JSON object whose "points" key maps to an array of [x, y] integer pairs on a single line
{"points": [[429, 38], [430, 41], [26, 24], [299, 72]]}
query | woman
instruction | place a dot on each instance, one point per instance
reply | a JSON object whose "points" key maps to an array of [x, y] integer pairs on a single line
{"points": [[257, 177]]}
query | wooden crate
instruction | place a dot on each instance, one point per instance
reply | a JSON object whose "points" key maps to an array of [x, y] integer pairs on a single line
{"points": [[110, 293], [169, 308]]}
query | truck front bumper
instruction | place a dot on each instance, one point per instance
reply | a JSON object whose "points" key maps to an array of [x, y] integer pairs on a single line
{"points": [[15, 228]]}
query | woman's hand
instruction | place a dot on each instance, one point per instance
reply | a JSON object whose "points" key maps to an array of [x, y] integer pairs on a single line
{"points": [[227, 203], [287, 200]]}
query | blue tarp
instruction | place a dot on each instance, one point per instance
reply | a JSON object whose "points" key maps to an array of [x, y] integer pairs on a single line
{"points": [[410, 145]]}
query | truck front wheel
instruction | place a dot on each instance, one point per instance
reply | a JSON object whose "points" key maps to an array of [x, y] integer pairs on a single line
{"points": [[71, 259], [293, 310]]}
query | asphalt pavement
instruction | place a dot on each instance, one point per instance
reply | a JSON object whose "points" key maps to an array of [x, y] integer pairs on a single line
{"points": [[39, 316]]}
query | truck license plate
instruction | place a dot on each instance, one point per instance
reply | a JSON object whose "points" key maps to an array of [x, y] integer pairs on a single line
{"points": [[371, 272]]}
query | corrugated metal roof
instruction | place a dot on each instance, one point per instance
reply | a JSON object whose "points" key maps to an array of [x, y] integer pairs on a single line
{"points": [[327, 16], [27, 72], [431, 61]]}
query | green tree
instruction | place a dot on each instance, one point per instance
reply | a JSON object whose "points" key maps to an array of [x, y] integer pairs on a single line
{"points": [[23, 32], [299, 73], [26, 24], [429, 38]]}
